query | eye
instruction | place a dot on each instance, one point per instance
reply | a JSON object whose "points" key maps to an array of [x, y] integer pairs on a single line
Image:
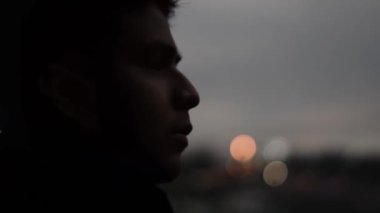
{"points": [[160, 56], [159, 62], [162, 61]]}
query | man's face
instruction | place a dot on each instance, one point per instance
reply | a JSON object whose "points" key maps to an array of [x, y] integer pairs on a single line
{"points": [[154, 98]]}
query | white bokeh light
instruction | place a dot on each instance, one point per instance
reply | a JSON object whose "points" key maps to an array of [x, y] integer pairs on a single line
{"points": [[276, 149]]}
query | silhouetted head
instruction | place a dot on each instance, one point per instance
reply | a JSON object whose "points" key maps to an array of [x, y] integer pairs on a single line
{"points": [[101, 79]]}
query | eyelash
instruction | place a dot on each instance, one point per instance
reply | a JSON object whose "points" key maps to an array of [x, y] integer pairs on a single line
{"points": [[164, 63]]}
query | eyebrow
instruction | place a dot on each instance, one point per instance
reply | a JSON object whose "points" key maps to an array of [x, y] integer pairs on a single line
{"points": [[165, 49]]}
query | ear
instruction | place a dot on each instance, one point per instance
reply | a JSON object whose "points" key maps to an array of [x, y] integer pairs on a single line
{"points": [[71, 90]]}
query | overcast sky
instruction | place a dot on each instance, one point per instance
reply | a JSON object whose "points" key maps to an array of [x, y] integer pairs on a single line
{"points": [[306, 70]]}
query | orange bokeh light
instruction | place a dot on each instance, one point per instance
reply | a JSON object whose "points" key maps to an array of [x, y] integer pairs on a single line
{"points": [[243, 148]]}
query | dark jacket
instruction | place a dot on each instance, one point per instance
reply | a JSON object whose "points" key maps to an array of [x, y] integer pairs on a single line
{"points": [[57, 175], [74, 188]]}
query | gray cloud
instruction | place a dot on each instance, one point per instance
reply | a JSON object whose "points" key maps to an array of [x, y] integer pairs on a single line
{"points": [[297, 68]]}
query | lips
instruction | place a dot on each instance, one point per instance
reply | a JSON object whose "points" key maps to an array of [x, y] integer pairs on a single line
{"points": [[180, 141], [183, 129]]}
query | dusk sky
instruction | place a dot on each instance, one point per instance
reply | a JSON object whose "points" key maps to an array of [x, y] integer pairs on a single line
{"points": [[304, 70]]}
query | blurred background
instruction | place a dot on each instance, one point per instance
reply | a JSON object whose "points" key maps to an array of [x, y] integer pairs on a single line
{"points": [[289, 119]]}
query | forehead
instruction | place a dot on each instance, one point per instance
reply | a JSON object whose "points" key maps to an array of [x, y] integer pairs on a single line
{"points": [[145, 27]]}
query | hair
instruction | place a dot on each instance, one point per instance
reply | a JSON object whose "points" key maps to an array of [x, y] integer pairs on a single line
{"points": [[90, 27], [56, 27]]}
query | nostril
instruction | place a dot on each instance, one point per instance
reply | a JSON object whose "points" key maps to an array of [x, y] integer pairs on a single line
{"points": [[187, 96], [194, 99], [186, 100], [190, 99]]}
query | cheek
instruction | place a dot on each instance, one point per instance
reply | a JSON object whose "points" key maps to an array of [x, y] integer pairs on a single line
{"points": [[151, 107], [152, 99], [150, 112], [148, 108]]}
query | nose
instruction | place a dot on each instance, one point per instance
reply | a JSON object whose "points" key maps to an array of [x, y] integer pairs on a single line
{"points": [[186, 96]]}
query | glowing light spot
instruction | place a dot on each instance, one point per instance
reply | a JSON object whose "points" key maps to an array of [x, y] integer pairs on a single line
{"points": [[243, 148], [232, 168], [239, 169], [276, 149], [275, 173]]}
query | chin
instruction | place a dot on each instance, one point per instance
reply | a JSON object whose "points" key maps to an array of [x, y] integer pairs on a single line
{"points": [[166, 178], [170, 170]]}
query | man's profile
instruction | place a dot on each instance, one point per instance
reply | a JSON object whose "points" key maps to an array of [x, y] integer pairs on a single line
{"points": [[106, 109]]}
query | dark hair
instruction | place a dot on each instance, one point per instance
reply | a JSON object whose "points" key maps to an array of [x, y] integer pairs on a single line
{"points": [[55, 27], [87, 26]]}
